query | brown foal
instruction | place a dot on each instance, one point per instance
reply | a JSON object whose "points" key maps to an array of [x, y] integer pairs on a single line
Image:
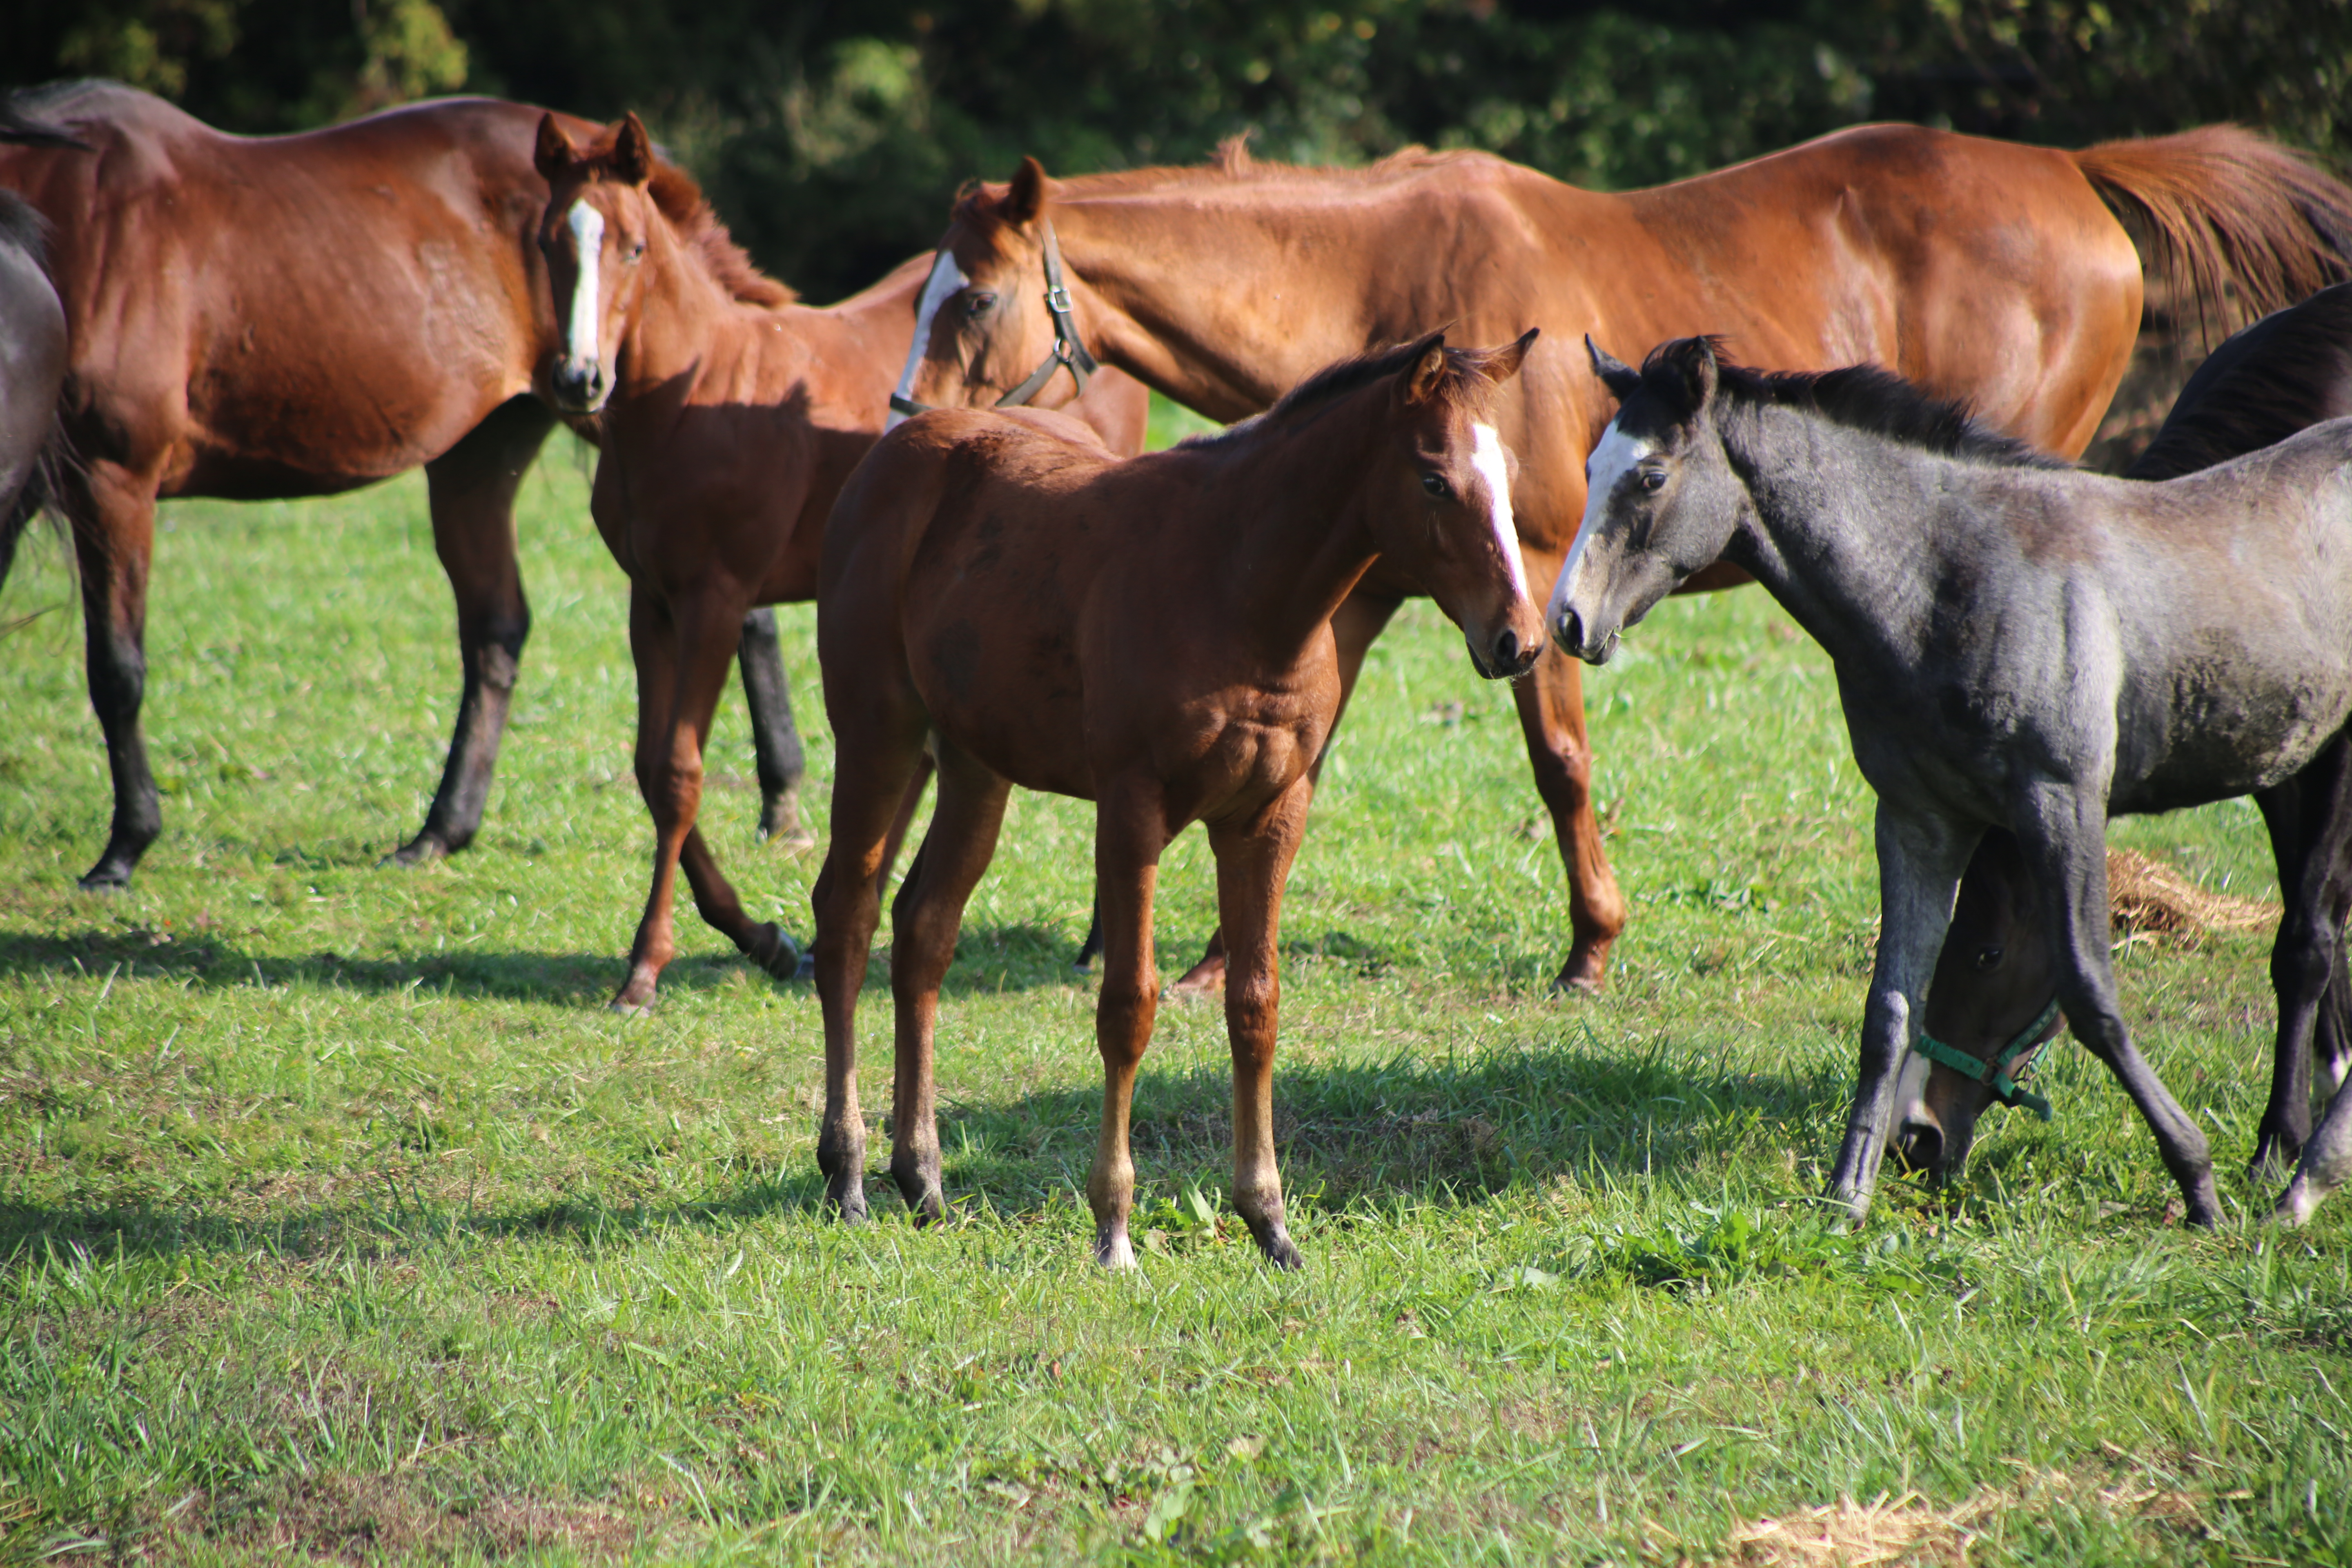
{"points": [[1154, 635], [727, 416]]}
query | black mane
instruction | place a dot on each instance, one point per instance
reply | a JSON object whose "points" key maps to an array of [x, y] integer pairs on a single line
{"points": [[2289, 370], [1871, 398], [22, 227]]}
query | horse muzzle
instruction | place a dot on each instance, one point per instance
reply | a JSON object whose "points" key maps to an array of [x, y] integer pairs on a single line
{"points": [[579, 386], [1505, 657], [1577, 638]]}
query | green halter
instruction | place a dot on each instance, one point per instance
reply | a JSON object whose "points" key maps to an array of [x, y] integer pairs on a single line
{"points": [[1994, 1073]]}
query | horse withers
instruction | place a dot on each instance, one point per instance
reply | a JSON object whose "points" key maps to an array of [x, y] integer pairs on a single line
{"points": [[1154, 635], [1991, 999], [2017, 645], [727, 416]]}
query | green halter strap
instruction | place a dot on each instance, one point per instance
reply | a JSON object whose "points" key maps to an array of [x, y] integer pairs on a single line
{"points": [[1994, 1074]]}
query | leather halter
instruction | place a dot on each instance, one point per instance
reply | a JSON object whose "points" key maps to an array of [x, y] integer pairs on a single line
{"points": [[1994, 1073], [1069, 349]]}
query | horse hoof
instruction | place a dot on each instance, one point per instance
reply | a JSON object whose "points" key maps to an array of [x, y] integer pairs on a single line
{"points": [[1114, 1252], [849, 1203], [105, 879], [1585, 973], [777, 954], [1281, 1253], [422, 850], [635, 996], [1206, 978]]}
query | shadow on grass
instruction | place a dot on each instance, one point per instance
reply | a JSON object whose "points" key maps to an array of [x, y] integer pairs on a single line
{"points": [[989, 959], [1361, 1134]]}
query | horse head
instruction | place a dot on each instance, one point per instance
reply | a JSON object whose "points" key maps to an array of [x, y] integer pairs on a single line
{"points": [[594, 234], [998, 321], [1440, 499], [1661, 497]]}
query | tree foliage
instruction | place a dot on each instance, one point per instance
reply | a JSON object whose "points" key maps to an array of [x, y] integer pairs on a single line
{"points": [[833, 136]]}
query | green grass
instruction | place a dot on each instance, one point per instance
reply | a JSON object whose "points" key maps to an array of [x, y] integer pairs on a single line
{"points": [[339, 1218]]}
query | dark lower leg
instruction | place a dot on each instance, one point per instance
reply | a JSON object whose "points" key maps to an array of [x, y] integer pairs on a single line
{"points": [[472, 489], [114, 531], [775, 741]]}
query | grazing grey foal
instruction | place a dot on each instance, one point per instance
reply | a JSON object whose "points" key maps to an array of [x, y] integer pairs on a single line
{"points": [[2017, 644]]}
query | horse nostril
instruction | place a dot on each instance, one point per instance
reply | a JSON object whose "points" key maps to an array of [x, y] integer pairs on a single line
{"points": [[1568, 633], [1507, 649], [1921, 1146]]}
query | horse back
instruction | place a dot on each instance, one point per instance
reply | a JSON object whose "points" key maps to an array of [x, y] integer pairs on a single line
{"points": [[284, 315]]}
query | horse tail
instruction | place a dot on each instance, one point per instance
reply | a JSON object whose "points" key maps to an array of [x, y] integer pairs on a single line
{"points": [[2223, 209]]}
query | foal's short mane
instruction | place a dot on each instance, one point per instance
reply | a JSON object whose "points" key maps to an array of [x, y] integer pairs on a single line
{"points": [[1462, 383], [681, 201], [2287, 371], [1871, 398]]}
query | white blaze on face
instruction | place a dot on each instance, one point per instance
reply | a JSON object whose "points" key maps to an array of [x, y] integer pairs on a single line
{"points": [[1486, 457], [946, 280], [587, 226], [1617, 456]]}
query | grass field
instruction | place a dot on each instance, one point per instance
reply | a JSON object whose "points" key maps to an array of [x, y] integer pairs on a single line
{"points": [[338, 1218]]}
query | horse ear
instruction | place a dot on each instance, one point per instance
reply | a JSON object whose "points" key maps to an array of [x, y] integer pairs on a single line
{"points": [[1428, 372], [633, 151], [1615, 375], [1504, 362], [554, 154], [1025, 197], [1693, 362]]}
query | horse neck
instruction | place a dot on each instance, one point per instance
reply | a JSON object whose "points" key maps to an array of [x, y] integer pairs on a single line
{"points": [[1212, 309], [1292, 546], [1827, 535], [687, 328]]}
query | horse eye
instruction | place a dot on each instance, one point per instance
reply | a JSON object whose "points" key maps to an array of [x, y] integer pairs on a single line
{"points": [[1437, 485], [637, 250], [980, 304], [1989, 957], [1653, 480]]}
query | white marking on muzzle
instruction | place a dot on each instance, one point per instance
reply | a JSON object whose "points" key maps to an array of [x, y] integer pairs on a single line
{"points": [[1486, 457], [1617, 456], [587, 226], [945, 281]]}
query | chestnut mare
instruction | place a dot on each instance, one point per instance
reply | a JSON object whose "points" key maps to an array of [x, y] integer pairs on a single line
{"points": [[728, 417], [1980, 269], [1154, 635], [1990, 1009], [258, 318]]}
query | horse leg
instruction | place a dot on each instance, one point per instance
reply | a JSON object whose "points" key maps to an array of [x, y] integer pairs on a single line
{"points": [[1130, 833], [2309, 823], [1551, 717], [1355, 627], [1253, 865], [113, 513], [680, 668], [878, 748], [925, 918], [910, 803], [775, 740], [471, 490], [1920, 859], [2063, 831]]}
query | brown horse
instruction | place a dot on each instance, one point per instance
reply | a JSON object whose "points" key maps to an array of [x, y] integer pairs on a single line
{"points": [[1154, 635], [1980, 269], [289, 316], [728, 417]]}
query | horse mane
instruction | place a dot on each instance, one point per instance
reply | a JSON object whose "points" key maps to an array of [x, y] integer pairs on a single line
{"points": [[1866, 397], [1233, 164], [2289, 370], [1461, 383], [681, 201]]}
